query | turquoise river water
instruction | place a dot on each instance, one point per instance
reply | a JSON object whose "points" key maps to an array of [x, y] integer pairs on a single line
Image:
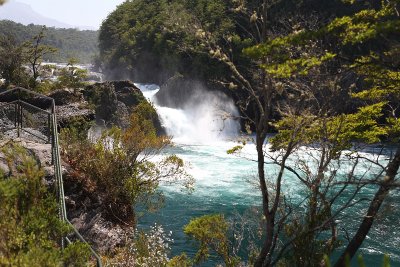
{"points": [[226, 183]]}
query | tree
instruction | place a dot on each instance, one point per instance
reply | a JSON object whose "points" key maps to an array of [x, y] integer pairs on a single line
{"points": [[15, 56], [35, 52], [381, 82], [380, 70], [11, 62]]}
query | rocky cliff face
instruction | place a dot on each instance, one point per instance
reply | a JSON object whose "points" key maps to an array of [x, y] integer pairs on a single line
{"points": [[108, 104], [85, 211]]}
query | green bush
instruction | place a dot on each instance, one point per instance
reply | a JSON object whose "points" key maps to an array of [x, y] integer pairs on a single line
{"points": [[29, 225], [212, 233]]}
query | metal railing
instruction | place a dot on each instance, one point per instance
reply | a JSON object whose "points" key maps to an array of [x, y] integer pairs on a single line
{"points": [[34, 115]]}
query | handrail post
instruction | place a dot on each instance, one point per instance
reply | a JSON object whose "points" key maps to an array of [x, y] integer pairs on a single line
{"points": [[20, 117], [15, 114], [19, 124], [49, 129]]}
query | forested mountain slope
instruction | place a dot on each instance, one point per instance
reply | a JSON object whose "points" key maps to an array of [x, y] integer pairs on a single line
{"points": [[71, 43]]}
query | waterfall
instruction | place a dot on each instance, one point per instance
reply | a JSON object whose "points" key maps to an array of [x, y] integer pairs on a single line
{"points": [[208, 121]]}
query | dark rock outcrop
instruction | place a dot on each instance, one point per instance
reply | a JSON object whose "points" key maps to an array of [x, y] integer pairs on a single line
{"points": [[104, 235], [114, 101], [65, 96]]}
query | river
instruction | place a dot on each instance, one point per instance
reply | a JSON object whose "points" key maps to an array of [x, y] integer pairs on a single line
{"points": [[227, 183]]}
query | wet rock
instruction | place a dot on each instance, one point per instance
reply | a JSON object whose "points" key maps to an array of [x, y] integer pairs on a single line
{"points": [[176, 92], [128, 93]]}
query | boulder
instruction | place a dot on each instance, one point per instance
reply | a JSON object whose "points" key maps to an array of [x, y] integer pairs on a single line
{"points": [[104, 235], [104, 97]]}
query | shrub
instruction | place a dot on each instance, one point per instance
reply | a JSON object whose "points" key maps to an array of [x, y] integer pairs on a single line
{"points": [[29, 226], [147, 249], [120, 167]]}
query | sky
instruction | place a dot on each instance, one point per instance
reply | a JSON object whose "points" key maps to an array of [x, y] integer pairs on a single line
{"points": [[75, 12]]}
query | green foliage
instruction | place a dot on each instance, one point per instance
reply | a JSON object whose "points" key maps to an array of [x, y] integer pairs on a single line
{"points": [[45, 87], [307, 248], [368, 40], [339, 131], [76, 254], [72, 76], [11, 63], [366, 24], [69, 42], [166, 37], [291, 55], [29, 226], [360, 261], [299, 66], [234, 150], [180, 261], [377, 28], [212, 233], [35, 51]]}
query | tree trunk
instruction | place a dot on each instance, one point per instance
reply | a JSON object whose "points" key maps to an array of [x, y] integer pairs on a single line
{"points": [[266, 248], [373, 209]]}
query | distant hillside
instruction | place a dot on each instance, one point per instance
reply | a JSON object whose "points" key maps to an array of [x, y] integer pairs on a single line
{"points": [[69, 42], [23, 13]]}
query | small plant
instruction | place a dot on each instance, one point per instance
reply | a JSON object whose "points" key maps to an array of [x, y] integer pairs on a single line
{"points": [[147, 249]]}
